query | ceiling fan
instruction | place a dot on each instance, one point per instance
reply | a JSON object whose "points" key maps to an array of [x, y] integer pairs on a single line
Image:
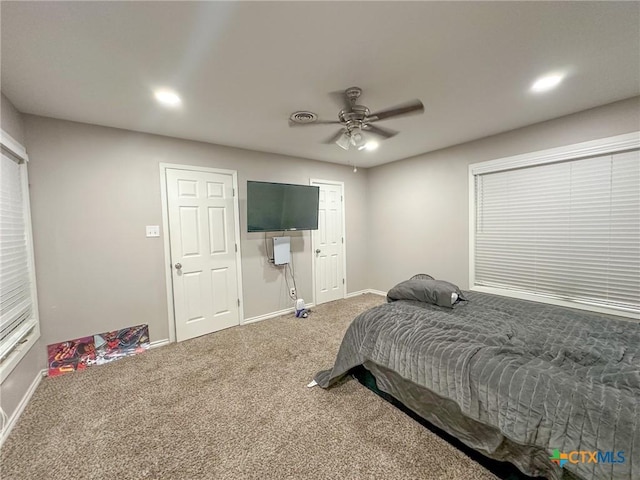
{"points": [[356, 120]]}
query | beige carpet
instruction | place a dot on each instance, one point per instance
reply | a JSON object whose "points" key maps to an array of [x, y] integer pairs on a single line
{"points": [[229, 405]]}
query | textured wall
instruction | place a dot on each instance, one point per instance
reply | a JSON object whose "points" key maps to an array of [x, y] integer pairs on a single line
{"points": [[419, 207], [93, 190]]}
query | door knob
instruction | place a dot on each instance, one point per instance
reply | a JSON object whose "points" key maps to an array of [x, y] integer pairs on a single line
{"points": [[178, 266], [317, 251]]}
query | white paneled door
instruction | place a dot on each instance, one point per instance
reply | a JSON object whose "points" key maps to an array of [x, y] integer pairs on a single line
{"points": [[203, 251], [328, 244]]}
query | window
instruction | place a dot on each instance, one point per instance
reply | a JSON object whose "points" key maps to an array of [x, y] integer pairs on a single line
{"points": [[19, 327], [561, 226]]}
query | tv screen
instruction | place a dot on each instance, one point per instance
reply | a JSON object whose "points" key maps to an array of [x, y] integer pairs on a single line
{"points": [[275, 207]]}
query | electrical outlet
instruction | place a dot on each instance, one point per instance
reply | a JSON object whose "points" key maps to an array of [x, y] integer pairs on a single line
{"points": [[292, 292]]}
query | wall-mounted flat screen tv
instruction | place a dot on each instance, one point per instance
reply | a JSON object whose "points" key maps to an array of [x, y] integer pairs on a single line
{"points": [[273, 207]]}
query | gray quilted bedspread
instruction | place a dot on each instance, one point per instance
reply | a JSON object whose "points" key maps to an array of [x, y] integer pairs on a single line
{"points": [[546, 376]]}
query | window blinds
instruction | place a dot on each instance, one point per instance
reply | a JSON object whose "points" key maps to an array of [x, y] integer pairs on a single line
{"points": [[16, 304], [568, 230]]}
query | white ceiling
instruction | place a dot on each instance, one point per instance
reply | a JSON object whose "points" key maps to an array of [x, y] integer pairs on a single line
{"points": [[242, 68]]}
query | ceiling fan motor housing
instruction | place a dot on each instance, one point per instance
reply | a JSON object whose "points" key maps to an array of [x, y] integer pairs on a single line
{"points": [[353, 93], [353, 117]]}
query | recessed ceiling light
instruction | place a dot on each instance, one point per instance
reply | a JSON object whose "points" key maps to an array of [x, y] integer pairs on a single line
{"points": [[371, 145], [546, 83], [167, 98]]}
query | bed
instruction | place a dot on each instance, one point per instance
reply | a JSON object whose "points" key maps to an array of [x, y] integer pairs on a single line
{"points": [[515, 380]]}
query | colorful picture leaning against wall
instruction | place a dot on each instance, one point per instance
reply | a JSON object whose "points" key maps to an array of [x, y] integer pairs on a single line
{"points": [[111, 346], [71, 355], [98, 349]]}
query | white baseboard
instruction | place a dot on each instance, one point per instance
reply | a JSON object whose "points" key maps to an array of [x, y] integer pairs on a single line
{"points": [[266, 316], [355, 294], [368, 290], [13, 419], [159, 343], [308, 305], [377, 292]]}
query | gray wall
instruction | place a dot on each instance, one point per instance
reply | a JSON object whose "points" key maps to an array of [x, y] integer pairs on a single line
{"points": [[17, 383], [419, 207], [93, 190], [11, 121]]}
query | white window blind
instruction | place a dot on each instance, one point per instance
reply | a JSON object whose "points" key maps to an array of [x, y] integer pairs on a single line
{"points": [[17, 317], [567, 230]]}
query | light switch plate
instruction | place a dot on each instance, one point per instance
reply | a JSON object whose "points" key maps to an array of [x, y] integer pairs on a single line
{"points": [[153, 230]]}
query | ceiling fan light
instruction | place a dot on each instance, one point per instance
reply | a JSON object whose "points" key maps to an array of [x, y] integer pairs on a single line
{"points": [[371, 145], [357, 138], [344, 141]]}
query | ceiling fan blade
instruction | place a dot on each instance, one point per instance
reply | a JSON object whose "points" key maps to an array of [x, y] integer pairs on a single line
{"points": [[333, 138], [382, 132], [317, 122], [409, 108]]}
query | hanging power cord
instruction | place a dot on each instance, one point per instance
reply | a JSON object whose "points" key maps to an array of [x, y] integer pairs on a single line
{"points": [[303, 312], [292, 272], [293, 276], [292, 297], [287, 267], [266, 249]]}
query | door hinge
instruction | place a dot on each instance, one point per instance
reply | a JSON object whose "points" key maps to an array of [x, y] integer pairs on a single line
{"points": [[233, 192], [238, 302], [342, 239], [343, 281], [341, 198], [236, 247]]}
